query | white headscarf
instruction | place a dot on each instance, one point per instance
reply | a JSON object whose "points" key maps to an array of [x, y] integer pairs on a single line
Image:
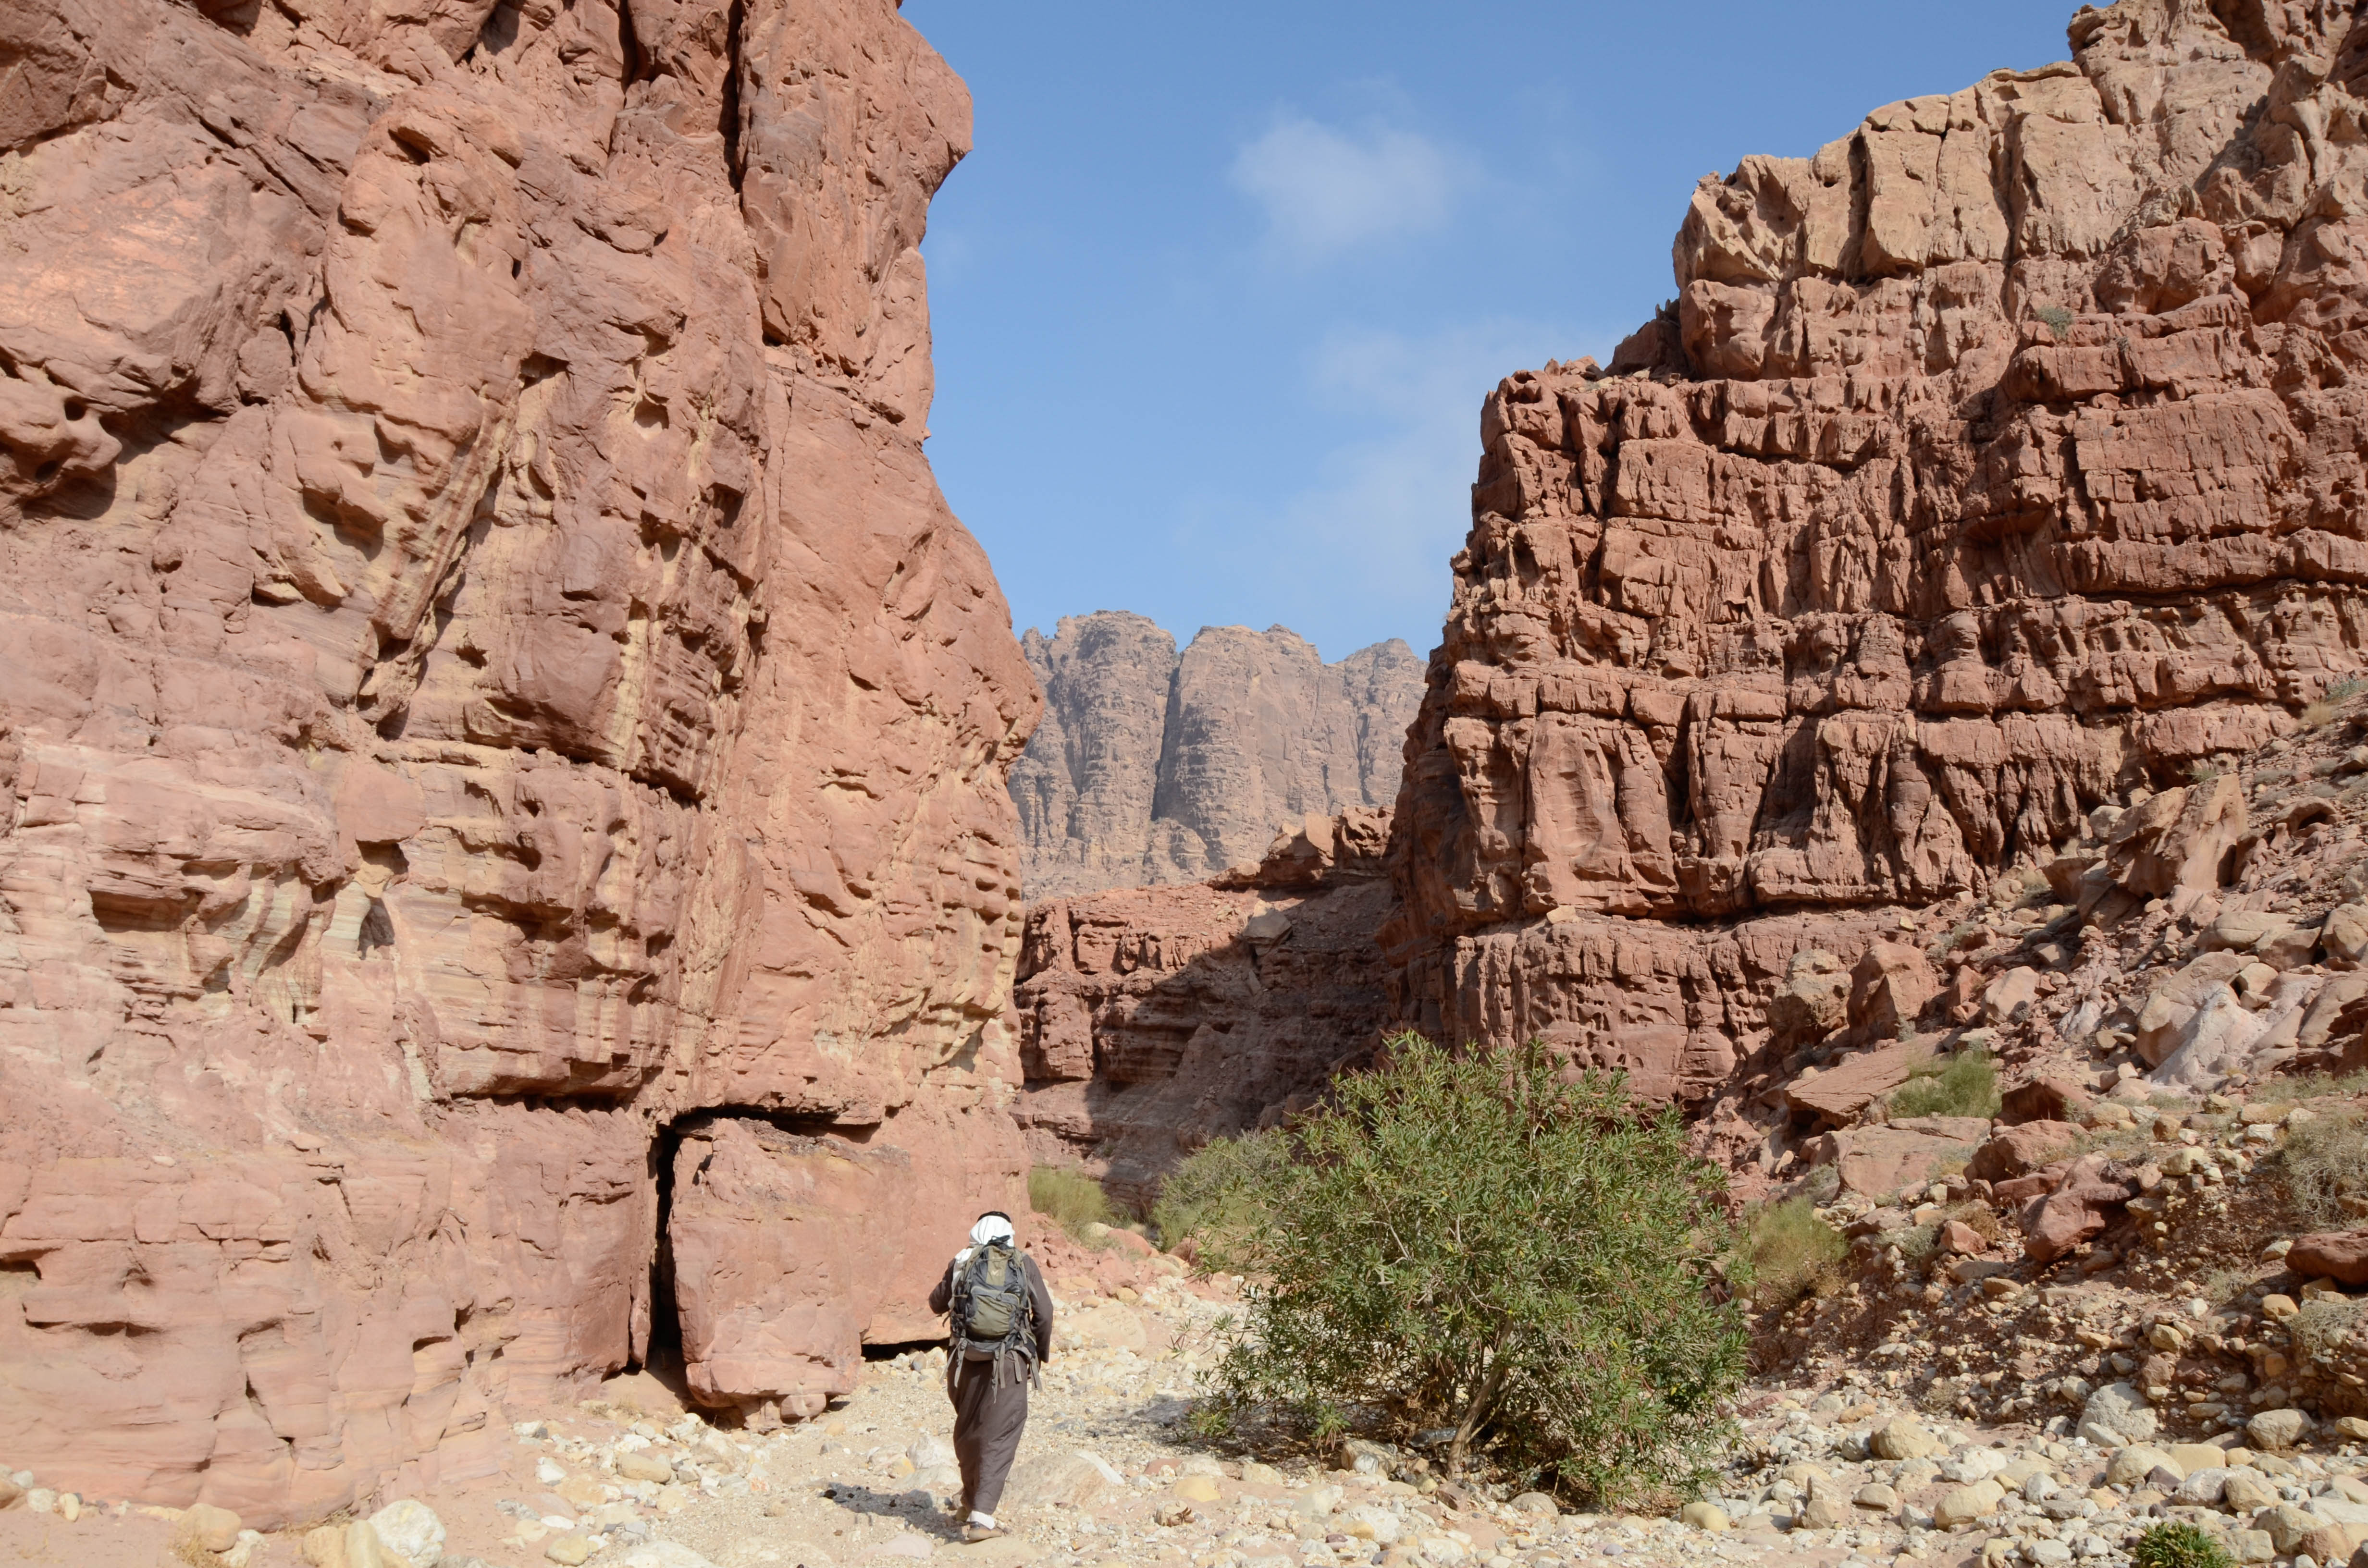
{"points": [[990, 1228]]}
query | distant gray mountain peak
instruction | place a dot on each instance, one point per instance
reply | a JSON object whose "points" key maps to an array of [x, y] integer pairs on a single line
{"points": [[1153, 767]]}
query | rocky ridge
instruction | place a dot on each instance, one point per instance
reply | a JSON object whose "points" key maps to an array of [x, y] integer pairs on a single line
{"points": [[1152, 767], [491, 675]]}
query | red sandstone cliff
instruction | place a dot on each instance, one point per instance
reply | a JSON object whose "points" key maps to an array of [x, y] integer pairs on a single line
{"points": [[2003, 458], [489, 671]]}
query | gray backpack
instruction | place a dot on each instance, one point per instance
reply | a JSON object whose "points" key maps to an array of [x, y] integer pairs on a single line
{"points": [[993, 1308]]}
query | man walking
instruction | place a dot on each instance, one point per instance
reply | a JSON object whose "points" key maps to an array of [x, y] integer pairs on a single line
{"points": [[1000, 1330]]}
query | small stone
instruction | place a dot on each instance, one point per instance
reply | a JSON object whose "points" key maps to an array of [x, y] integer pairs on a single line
{"points": [[209, 1529], [642, 1465], [569, 1550], [2286, 1525], [10, 1493], [1821, 1513], [1256, 1474], [1196, 1488], [1878, 1496], [2046, 1553], [1966, 1503], [69, 1506], [2251, 1546], [2120, 1411], [1533, 1503], [2277, 1429], [2350, 1426], [1901, 1438], [1703, 1516], [2244, 1491], [2278, 1308], [2133, 1463]]}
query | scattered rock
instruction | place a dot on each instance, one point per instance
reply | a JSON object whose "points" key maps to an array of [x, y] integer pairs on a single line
{"points": [[2022, 1149], [1889, 986], [2049, 1097], [2117, 1414], [1703, 1516], [2277, 1430], [209, 1529], [1965, 1503], [1901, 1438], [2334, 1254]]}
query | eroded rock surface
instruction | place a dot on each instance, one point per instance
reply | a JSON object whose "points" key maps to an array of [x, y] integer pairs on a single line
{"points": [[1997, 462], [1153, 1019], [489, 670], [1152, 767]]}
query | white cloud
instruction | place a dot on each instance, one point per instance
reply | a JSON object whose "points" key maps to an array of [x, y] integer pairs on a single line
{"points": [[1381, 512], [1326, 190]]}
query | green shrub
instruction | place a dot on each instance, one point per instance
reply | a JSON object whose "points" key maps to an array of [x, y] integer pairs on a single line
{"points": [[1963, 1085], [1793, 1252], [2325, 1161], [1474, 1243], [1215, 1190], [2177, 1546], [1067, 1197], [2056, 319]]}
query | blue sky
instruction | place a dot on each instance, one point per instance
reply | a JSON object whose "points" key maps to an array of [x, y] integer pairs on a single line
{"points": [[1219, 293]]}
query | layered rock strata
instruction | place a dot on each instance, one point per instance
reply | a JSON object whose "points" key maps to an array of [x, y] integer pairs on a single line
{"points": [[1152, 767], [1999, 460], [490, 672], [1153, 1019]]}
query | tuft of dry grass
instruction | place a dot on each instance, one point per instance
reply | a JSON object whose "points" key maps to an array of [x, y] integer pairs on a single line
{"points": [[2330, 706], [2321, 1326], [2325, 1161], [2280, 1089], [1793, 1252], [1978, 1218]]}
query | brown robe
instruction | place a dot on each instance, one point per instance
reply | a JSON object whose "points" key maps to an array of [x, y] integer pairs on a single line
{"points": [[991, 1411]]}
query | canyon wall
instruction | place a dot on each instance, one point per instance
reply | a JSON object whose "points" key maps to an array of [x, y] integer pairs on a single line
{"points": [[490, 673], [1152, 767], [2003, 457], [1153, 1020]]}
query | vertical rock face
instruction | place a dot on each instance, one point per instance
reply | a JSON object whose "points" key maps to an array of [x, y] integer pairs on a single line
{"points": [[1151, 768], [490, 671], [2001, 457], [1153, 1019]]}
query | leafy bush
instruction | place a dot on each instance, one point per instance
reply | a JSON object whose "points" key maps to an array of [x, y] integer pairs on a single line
{"points": [[2177, 1546], [1963, 1085], [2325, 1161], [1474, 1243], [1215, 1190], [2056, 319], [1067, 1197], [1793, 1252]]}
